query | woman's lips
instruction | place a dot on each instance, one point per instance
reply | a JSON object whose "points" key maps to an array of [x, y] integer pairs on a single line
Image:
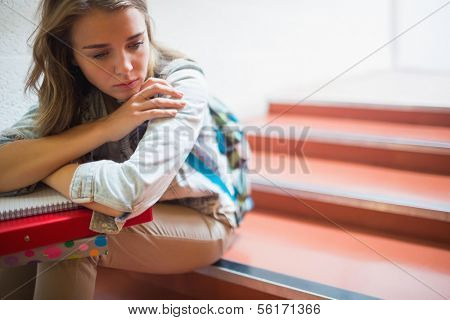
{"points": [[128, 85]]}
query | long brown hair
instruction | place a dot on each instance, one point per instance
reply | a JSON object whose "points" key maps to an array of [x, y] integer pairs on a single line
{"points": [[60, 85]]}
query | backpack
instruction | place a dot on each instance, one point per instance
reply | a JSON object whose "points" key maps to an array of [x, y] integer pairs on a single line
{"points": [[233, 144]]}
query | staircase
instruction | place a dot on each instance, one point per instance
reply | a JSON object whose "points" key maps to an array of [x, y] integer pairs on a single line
{"points": [[352, 202]]}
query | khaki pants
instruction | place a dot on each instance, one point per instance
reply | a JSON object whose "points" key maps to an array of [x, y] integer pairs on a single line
{"points": [[178, 240]]}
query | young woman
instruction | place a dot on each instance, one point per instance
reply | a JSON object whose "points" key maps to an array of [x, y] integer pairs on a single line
{"points": [[118, 116]]}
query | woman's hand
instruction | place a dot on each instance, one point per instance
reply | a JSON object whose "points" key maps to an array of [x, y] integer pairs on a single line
{"points": [[141, 107]]}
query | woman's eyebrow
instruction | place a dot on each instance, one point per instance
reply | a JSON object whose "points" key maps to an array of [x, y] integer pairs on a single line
{"points": [[104, 45]]}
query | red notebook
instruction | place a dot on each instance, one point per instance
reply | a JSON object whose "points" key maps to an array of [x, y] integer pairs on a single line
{"points": [[44, 229]]}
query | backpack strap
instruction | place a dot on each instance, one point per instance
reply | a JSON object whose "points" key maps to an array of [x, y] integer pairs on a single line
{"points": [[201, 167]]}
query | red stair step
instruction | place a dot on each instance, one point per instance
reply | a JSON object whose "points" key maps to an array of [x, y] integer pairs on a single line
{"points": [[396, 201], [424, 115], [404, 146], [349, 259]]}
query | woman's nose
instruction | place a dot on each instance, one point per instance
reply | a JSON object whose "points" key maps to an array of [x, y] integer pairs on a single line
{"points": [[123, 64]]}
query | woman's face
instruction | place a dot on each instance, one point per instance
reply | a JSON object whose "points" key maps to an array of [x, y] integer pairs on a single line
{"points": [[112, 48]]}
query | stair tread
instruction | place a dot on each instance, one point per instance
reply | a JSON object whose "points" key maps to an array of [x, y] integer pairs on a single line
{"points": [[277, 104], [360, 181], [333, 257], [394, 131]]}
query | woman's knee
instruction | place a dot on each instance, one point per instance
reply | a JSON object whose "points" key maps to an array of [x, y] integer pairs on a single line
{"points": [[178, 240], [163, 254]]}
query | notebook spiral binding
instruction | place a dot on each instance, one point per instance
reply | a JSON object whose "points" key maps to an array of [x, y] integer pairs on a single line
{"points": [[32, 211]]}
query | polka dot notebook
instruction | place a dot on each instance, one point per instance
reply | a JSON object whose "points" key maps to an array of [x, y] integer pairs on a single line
{"points": [[72, 249]]}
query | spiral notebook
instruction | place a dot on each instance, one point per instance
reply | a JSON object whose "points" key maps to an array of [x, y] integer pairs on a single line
{"points": [[42, 200], [43, 218]]}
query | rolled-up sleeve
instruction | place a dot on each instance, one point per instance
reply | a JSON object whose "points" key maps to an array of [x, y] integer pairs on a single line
{"points": [[136, 184]]}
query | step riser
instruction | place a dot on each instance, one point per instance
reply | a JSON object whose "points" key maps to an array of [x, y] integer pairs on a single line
{"points": [[120, 284], [390, 157], [430, 116], [378, 221]]}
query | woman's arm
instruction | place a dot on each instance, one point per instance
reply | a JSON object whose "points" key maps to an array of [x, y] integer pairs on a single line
{"points": [[25, 162], [60, 181], [136, 184], [28, 161]]}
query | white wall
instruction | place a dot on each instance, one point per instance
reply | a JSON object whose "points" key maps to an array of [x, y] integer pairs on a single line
{"points": [[426, 48], [249, 49], [253, 49], [15, 56]]}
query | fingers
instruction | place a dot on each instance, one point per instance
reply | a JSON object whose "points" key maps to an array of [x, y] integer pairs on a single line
{"points": [[151, 81], [160, 89], [157, 103], [158, 113]]}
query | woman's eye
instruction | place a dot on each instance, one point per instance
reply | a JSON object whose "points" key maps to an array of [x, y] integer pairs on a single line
{"points": [[137, 44], [99, 56], [133, 46]]}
